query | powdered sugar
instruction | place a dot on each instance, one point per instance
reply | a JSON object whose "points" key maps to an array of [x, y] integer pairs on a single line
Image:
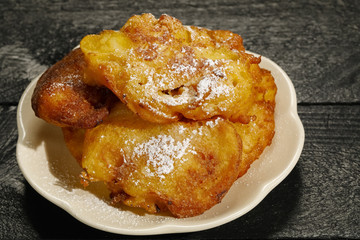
{"points": [[181, 129], [209, 84], [208, 88], [212, 123], [161, 151], [185, 68], [185, 79]]}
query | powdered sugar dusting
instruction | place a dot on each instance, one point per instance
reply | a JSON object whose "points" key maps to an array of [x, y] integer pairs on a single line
{"points": [[184, 79], [210, 83], [209, 88], [181, 129], [213, 81], [161, 151], [212, 123], [182, 68]]}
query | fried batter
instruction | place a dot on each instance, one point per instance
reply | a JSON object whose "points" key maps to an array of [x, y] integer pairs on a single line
{"points": [[183, 167], [197, 111], [74, 140], [63, 99], [164, 71], [259, 132]]}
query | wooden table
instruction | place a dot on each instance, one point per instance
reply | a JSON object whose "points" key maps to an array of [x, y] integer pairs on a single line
{"points": [[315, 42]]}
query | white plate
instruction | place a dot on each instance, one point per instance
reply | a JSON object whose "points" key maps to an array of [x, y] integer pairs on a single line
{"points": [[50, 169]]}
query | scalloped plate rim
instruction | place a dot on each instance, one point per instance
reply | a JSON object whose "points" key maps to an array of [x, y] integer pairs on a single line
{"points": [[175, 227]]}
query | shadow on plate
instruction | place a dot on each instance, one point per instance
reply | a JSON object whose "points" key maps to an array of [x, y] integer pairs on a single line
{"points": [[66, 170], [265, 221]]}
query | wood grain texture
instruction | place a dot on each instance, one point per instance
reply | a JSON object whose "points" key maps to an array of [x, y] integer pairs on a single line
{"points": [[316, 42], [319, 199]]}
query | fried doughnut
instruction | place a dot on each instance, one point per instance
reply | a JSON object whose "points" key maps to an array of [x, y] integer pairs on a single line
{"points": [[63, 99], [164, 71]]}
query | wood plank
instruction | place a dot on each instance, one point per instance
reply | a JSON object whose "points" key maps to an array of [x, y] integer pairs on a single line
{"points": [[319, 199], [316, 43]]}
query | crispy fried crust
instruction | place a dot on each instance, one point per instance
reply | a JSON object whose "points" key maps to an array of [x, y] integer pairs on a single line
{"points": [[259, 132], [183, 167], [164, 71], [256, 136], [63, 99], [156, 159], [74, 140]]}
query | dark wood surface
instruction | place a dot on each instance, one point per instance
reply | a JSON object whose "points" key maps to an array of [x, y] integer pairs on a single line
{"points": [[315, 42]]}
